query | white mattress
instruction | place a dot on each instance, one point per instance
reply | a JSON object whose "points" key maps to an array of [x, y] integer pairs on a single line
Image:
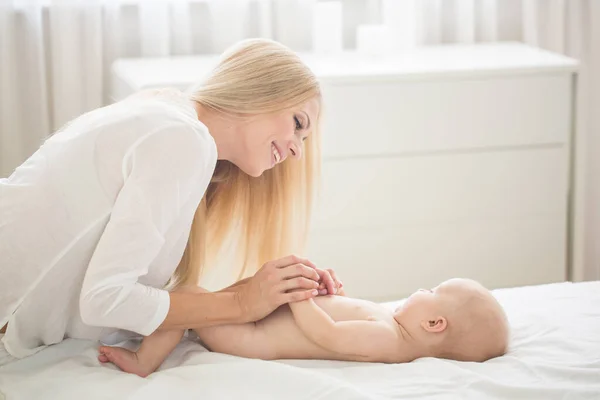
{"points": [[555, 354]]}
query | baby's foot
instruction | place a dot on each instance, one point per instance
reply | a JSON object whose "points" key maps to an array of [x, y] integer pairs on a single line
{"points": [[126, 360]]}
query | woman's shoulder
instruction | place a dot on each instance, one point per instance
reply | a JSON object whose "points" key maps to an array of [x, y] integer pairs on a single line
{"points": [[169, 102], [170, 110], [170, 134]]}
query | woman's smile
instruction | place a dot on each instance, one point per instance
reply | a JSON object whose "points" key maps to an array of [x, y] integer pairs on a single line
{"points": [[276, 155]]}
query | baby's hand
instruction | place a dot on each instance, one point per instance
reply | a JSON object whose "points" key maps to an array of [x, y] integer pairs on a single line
{"points": [[329, 283]]}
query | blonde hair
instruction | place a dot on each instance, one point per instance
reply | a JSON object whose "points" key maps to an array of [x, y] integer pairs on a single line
{"points": [[262, 218]]}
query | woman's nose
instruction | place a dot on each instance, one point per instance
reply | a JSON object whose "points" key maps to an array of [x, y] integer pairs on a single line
{"points": [[294, 149]]}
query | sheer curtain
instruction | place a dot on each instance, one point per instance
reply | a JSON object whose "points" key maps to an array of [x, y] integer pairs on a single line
{"points": [[56, 54]]}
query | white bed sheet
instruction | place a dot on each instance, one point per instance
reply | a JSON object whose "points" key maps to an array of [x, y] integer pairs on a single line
{"points": [[554, 354]]}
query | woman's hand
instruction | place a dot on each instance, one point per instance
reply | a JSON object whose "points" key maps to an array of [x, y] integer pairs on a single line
{"points": [[278, 282]]}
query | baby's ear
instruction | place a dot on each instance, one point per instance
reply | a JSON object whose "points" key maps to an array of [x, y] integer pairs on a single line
{"points": [[435, 325]]}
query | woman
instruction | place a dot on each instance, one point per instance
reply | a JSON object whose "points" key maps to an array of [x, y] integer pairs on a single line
{"points": [[143, 194]]}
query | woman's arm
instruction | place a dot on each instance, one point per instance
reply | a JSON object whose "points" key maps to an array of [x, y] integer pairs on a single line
{"points": [[196, 307], [199, 310], [156, 184], [230, 287], [277, 282], [203, 308]]}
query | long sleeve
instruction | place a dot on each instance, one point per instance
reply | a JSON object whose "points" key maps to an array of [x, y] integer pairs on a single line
{"points": [[160, 171]]}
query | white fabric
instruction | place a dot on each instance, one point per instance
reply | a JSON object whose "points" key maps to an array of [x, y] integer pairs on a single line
{"points": [[5, 356], [98, 219], [554, 354]]}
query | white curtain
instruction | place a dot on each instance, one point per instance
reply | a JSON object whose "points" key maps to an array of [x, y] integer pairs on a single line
{"points": [[55, 57]]}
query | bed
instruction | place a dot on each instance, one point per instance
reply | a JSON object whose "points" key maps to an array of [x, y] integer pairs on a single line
{"points": [[554, 354]]}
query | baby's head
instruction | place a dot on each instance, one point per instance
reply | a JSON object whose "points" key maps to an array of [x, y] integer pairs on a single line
{"points": [[458, 319]]}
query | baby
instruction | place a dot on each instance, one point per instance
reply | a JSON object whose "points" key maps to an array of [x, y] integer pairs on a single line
{"points": [[459, 319]]}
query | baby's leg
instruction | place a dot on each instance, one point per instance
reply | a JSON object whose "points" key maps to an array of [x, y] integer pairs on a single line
{"points": [[243, 340], [153, 351]]}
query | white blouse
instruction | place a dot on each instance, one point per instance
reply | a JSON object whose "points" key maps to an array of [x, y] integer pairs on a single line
{"points": [[94, 223]]}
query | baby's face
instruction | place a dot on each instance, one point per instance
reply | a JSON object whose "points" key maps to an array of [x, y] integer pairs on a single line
{"points": [[458, 319], [430, 303]]}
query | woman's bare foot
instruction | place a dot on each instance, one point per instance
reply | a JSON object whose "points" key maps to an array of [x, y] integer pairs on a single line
{"points": [[126, 360]]}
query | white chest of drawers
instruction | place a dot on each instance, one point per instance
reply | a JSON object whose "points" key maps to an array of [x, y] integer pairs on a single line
{"points": [[450, 161]]}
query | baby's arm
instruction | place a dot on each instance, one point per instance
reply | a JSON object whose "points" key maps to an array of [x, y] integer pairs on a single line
{"points": [[360, 338]]}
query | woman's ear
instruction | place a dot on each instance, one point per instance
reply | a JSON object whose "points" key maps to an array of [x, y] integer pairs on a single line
{"points": [[435, 325]]}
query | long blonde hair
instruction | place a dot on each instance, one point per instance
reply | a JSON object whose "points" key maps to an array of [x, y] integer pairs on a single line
{"points": [[261, 218]]}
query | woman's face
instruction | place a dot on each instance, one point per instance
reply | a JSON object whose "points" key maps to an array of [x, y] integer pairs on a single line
{"points": [[267, 140]]}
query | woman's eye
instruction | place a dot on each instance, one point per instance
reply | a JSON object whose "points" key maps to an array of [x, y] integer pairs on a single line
{"points": [[298, 124]]}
